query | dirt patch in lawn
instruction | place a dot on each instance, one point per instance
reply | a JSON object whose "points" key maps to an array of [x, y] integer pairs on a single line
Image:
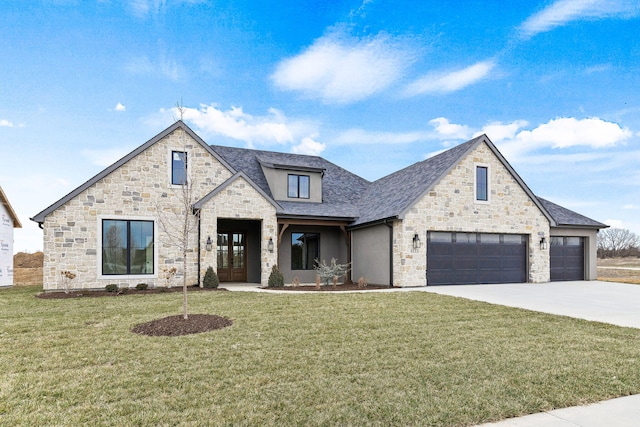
{"points": [[329, 288], [122, 292], [173, 326]]}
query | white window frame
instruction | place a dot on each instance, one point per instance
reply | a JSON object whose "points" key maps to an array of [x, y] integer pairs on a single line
{"points": [[170, 166], [120, 277], [475, 183]]}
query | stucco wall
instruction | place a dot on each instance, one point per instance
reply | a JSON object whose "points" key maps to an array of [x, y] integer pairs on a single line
{"points": [[370, 254], [451, 206], [278, 180], [332, 245], [590, 247], [137, 190]]}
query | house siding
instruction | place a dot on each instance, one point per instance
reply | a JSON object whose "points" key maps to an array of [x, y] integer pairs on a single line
{"points": [[137, 189], [370, 254], [451, 206]]}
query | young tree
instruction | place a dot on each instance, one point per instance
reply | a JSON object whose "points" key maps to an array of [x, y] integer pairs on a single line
{"points": [[177, 220]]}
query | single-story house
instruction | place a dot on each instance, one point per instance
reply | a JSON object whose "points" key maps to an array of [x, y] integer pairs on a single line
{"points": [[8, 221], [463, 216]]}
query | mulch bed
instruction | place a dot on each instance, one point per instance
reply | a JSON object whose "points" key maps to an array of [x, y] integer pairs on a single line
{"points": [[329, 288], [122, 292], [174, 326]]}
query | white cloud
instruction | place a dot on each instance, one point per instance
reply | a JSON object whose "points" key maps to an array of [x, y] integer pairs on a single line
{"points": [[309, 146], [338, 68], [142, 8], [6, 123], [498, 131], [451, 81], [614, 223], [631, 206], [120, 107], [562, 12], [273, 128], [450, 130]]}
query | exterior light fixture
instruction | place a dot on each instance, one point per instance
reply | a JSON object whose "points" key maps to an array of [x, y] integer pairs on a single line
{"points": [[543, 243], [209, 245], [270, 245], [416, 241]]}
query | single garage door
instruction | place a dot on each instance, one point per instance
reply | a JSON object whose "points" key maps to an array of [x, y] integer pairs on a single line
{"points": [[567, 258], [475, 258]]}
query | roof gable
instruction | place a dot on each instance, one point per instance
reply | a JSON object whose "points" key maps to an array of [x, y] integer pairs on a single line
{"points": [[393, 195], [200, 203], [5, 202], [177, 125]]}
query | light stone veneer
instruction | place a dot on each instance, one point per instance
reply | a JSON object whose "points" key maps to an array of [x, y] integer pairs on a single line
{"points": [[451, 206], [239, 200], [136, 190]]}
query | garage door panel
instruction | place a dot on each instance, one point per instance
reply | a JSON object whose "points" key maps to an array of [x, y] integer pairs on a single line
{"points": [[566, 258], [470, 258]]}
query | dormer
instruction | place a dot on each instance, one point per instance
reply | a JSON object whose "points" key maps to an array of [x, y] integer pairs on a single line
{"points": [[293, 182]]}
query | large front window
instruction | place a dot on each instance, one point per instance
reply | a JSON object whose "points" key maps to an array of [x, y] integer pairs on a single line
{"points": [[127, 247], [305, 249], [298, 186]]}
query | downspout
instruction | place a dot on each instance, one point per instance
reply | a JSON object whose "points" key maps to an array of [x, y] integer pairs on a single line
{"points": [[199, 247], [390, 225]]}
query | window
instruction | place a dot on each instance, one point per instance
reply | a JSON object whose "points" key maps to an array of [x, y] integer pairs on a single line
{"points": [[178, 167], [305, 249], [482, 183], [298, 186], [127, 247]]}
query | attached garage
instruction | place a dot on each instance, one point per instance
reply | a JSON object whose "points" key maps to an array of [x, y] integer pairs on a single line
{"points": [[567, 258], [475, 258]]}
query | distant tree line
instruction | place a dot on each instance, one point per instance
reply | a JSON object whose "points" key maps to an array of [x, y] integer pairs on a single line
{"points": [[617, 243]]}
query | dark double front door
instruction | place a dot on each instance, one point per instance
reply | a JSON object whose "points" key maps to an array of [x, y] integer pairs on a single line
{"points": [[232, 257]]}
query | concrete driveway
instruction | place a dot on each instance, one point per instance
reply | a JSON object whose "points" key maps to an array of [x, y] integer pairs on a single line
{"points": [[615, 303]]}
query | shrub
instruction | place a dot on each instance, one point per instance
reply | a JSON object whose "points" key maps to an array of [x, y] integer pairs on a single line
{"points": [[276, 279], [328, 272], [111, 287], [142, 286], [210, 280]]}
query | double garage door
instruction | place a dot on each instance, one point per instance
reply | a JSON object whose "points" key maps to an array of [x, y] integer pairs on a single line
{"points": [[475, 258]]}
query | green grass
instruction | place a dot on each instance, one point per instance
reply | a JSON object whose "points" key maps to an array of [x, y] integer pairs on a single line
{"points": [[349, 359]]}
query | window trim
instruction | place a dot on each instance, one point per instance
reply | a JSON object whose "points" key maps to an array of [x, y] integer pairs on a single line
{"points": [[298, 186], [100, 276], [475, 183], [170, 164]]}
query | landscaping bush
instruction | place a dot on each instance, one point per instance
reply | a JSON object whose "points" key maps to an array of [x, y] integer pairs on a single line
{"points": [[276, 279], [111, 287], [210, 280], [142, 286]]}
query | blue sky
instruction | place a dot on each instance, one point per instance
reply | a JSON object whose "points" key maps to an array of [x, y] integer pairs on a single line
{"points": [[371, 85]]}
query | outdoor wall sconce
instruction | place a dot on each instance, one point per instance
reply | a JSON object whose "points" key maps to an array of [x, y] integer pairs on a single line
{"points": [[209, 245], [543, 244], [416, 241], [270, 245]]}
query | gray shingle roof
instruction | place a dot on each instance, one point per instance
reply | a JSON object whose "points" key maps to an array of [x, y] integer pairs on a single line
{"points": [[393, 194], [340, 188], [565, 217]]}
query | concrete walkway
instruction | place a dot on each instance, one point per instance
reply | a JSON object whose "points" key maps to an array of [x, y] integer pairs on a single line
{"points": [[614, 303]]}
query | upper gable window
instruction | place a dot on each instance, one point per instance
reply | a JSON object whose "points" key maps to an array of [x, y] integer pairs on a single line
{"points": [[482, 183], [178, 167], [298, 186]]}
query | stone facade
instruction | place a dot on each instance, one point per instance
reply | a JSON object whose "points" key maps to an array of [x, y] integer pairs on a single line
{"points": [[139, 189], [239, 200], [451, 206]]}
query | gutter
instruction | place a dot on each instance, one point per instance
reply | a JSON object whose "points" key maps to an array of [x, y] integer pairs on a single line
{"points": [[199, 246]]}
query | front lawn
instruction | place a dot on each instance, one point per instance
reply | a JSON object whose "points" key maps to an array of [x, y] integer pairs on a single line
{"points": [[406, 358]]}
